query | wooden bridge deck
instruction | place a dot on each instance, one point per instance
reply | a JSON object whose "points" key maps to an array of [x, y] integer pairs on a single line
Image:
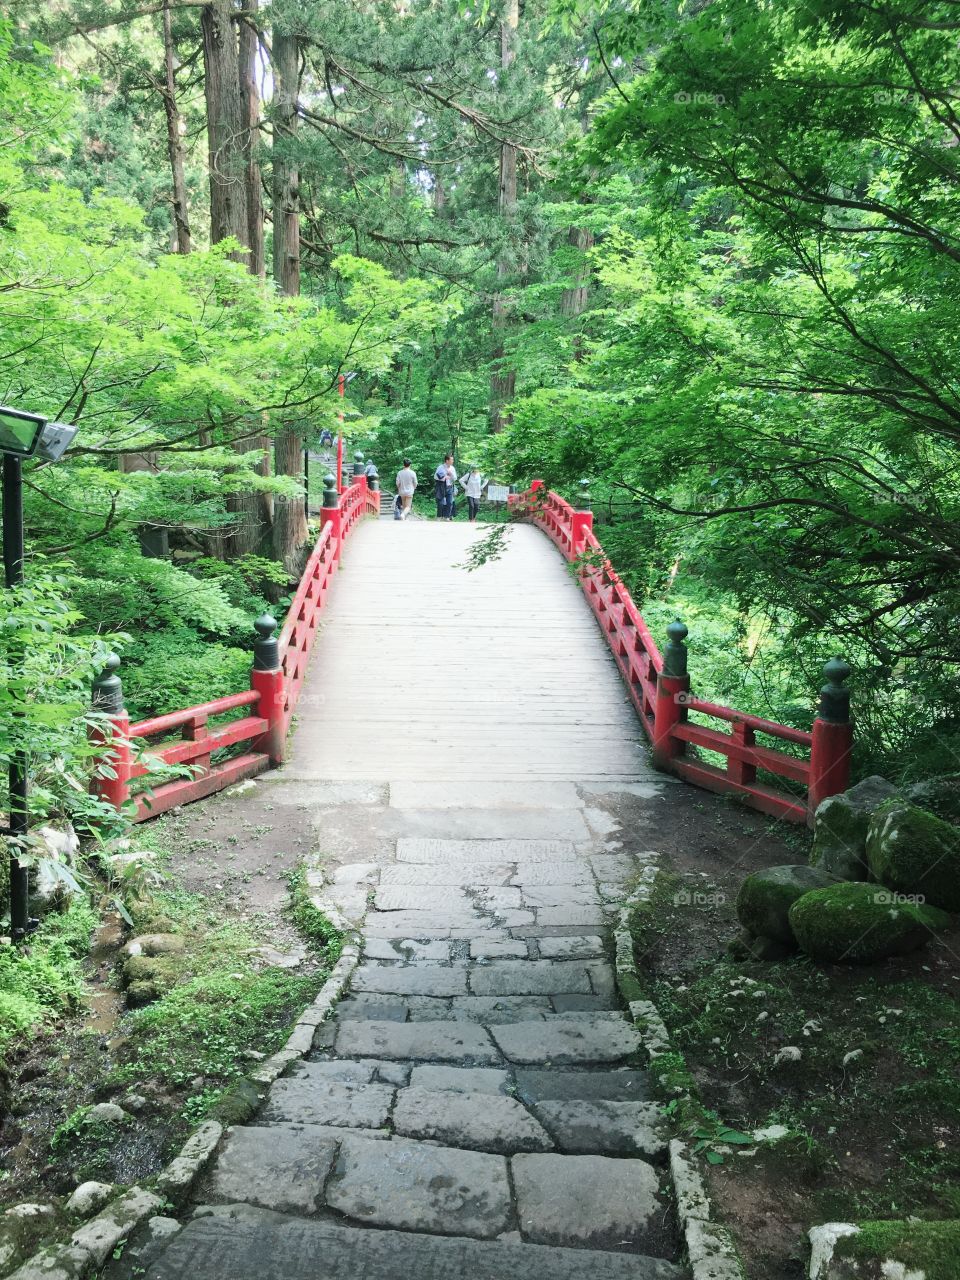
{"points": [[426, 671]]}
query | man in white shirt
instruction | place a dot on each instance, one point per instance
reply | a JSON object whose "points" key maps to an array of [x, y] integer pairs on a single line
{"points": [[406, 486]]}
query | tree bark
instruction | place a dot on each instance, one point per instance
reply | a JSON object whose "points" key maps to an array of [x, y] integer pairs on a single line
{"points": [[289, 520], [503, 381], [179, 208], [250, 107], [225, 126]]}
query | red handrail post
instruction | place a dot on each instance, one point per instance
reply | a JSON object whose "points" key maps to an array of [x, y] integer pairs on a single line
{"points": [[267, 679], [108, 699], [832, 738], [669, 710], [581, 522]]}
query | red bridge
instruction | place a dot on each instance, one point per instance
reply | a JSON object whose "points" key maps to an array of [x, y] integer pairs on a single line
{"points": [[780, 770]]}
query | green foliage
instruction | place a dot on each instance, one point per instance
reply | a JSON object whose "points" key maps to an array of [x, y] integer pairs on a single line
{"points": [[43, 981]]}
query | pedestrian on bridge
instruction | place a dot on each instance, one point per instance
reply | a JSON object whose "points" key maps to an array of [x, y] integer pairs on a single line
{"points": [[473, 486], [406, 487], [444, 482]]}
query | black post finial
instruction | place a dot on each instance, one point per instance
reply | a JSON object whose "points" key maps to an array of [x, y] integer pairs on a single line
{"points": [[834, 697], [675, 654], [108, 688], [266, 651]]}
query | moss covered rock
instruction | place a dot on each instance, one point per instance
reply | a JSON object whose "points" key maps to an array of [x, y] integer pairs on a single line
{"points": [[939, 796], [911, 851], [861, 923], [841, 825], [885, 1250], [765, 899]]}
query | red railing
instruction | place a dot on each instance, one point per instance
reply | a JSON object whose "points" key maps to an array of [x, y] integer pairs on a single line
{"points": [[280, 666], [660, 690]]}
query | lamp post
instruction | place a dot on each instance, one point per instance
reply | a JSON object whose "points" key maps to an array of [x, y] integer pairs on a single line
{"points": [[342, 380], [22, 435]]}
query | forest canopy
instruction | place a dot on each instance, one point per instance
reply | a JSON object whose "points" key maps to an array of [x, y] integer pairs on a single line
{"points": [[703, 257]]}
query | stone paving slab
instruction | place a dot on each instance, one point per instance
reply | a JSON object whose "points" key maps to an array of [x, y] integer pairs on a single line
{"points": [[563, 1042], [529, 977], [411, 980], [417, 1186], [311, 1099], [553, 871], [458, 874], [436, 924], [560, 895], [480, 1121], [485, 795], [506, 949], [406, 949], [580, 1004], [241, 1243], [591, 1201], [286, 1172], [581, 917], [470, 852], [387, 1008], [537, 1085], [497, 824], [464, 1042], [605, 1128], [409, 897], [460, 1079], [571, 948]]}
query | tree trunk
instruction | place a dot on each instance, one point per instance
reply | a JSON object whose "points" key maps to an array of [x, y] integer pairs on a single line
{"points": [[225, 126], [289, 520], [179, 210], [503, 381], [250, 107], [573, 300]]}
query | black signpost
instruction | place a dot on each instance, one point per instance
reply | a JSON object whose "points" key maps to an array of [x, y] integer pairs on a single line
{"points": [[22, 435]]}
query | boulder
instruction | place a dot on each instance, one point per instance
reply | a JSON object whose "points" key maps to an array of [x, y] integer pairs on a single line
{"points": [[840, 828], [939, 796], [89, 1198], [766, 897], [859, 923], [156, 944], [141, 993], [106, 1113], [912, 852], [159, 970]]}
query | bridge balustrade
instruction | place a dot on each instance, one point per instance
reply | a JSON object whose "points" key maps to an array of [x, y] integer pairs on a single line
{"points": [[817, 761], [279, 669]]}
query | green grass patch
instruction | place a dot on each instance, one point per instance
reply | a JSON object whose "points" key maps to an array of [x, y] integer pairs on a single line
{"points": [[311, 922], [43, 980]]}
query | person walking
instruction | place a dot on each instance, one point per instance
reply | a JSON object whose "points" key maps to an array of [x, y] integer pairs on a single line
{"points": [[450, 503], [406, 487], [444, 480], [473, 486], [440, 487]]}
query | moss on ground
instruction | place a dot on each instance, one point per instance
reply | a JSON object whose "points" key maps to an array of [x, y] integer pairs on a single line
{"points": [[932, 1248], [309, 920]]}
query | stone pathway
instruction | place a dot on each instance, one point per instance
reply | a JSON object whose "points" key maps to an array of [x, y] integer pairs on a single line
{"points": [[476, 1105]]}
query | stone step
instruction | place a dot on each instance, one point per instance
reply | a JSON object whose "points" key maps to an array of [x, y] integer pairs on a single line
{"points": [[243, 1243], [487, 1009], [510, 977], [554, 1040]]}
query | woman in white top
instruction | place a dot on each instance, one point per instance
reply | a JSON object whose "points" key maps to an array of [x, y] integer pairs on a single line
{"points": [[473, 487]]}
